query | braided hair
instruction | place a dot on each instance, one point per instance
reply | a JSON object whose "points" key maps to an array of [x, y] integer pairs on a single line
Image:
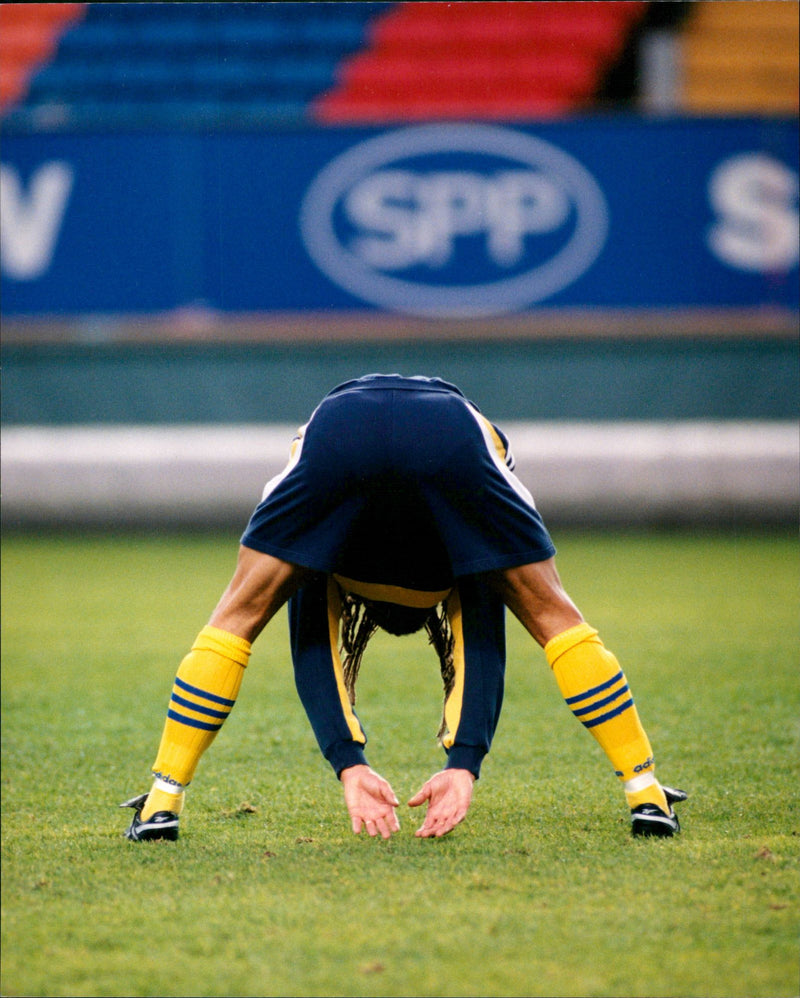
{"points": [[361, 618]]}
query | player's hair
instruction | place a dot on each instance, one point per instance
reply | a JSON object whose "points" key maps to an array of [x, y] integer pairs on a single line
{"points": [[361, 618]]}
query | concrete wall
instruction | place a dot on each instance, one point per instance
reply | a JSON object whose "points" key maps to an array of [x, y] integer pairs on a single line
{"points": [[620, 473]]}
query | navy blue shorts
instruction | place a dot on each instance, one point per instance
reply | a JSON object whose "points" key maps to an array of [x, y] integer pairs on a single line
{"points": [[401, 482]]}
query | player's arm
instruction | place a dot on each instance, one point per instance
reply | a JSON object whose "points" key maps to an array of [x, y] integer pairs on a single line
{"points": [[314, 615], [472, 707], [314, 631]]}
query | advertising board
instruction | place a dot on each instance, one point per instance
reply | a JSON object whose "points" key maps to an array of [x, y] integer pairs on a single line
{"points": [[451, 220]]}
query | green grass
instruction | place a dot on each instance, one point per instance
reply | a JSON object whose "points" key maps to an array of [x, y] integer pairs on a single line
{"points": [[541, 891]]}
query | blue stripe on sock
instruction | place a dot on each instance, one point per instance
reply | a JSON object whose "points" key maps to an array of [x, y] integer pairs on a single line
{"points": [[609, 715], [200, 709], [191, 723], [601, 703], [203, 693], [595, 689]]}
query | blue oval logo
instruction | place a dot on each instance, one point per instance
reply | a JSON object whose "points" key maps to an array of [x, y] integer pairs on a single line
{"points": [[454, 220]]}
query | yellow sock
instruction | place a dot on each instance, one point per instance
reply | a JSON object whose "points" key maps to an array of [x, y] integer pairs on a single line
{"points": [[203, 695], [596, 691], [162, 800], [651, 793]]}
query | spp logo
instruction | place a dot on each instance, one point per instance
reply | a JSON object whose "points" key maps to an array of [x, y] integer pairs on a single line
{"points": [[454, 220]]}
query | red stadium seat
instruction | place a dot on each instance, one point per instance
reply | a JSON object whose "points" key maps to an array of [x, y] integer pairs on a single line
{"points": [[554, 74], [480, 60], [29, 35], [595, 27], [369, 109]]}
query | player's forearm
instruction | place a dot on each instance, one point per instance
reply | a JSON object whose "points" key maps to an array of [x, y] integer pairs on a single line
{"points": [[467, 757], [318, 676], [344, 754], [475, 700]]}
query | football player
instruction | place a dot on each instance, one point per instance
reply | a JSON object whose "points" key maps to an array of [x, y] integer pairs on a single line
{"points": [[399, 508]]}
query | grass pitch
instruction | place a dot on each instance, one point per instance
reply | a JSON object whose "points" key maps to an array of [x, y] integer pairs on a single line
{"points": [[541, 891]]}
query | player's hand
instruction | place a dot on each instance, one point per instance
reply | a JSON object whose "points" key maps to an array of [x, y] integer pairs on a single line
{"points": [[370, 801], [449, 794]]}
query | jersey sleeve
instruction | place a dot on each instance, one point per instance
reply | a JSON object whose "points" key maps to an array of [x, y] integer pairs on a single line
{"points": [[472, 708], [314, 614]]}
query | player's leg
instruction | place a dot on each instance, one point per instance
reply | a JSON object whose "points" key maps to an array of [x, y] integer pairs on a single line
{"points": [[536, 596], [594, 687], [207, 684]]}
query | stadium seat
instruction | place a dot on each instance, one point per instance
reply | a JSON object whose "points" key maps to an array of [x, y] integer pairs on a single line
{"points": [[480, 60], [594, 27], [551, 75], [142, 56], [369, 109], [29, 35], [741, 58], [328, 62]]}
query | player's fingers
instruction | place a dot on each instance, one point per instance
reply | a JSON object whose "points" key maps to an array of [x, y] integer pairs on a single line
{"points": [[438, 824], [448, 825], [386, 826], [434, 831], [392, 821], [430, 826], [381, 789], [389, 795], [421, 796]]}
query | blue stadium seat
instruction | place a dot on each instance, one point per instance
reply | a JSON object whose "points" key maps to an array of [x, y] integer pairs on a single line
{"points": [[242, 61]]}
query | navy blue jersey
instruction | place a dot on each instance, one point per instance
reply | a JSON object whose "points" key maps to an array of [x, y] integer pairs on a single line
{"points": [[399, 482], [399, 490], [472, 709]]}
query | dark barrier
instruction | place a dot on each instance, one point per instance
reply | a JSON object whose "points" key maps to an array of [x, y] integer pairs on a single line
{"points": [[653, 378]]}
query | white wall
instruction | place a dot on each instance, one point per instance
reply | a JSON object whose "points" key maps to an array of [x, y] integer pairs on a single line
{"points": [[592, 473]]}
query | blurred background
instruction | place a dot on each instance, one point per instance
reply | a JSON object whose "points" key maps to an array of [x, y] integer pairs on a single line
{"points": [[584, 214]]}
